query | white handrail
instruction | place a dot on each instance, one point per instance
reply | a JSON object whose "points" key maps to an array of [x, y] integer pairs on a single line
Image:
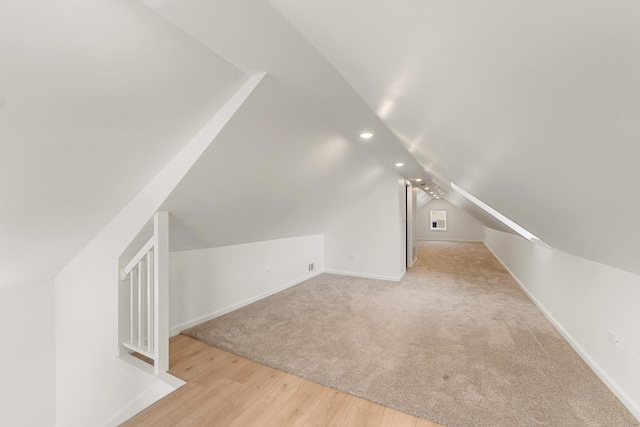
{"points": [[148, 274], [136, 259]]}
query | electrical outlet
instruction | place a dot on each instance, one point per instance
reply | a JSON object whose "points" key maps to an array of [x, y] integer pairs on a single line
{"points": [[311, 266], [613, 338]]}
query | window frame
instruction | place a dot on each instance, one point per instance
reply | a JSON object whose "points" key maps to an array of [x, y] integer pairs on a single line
{"points": [[431, 220]]}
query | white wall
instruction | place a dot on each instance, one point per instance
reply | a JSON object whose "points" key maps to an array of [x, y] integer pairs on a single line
{"points": [[460, 225], [585, 300], [93, 386], [27, 359], [76, 136], [277, 170], [369, 240], [411, 218], [206, 283], [300, 178], [489, 58]]}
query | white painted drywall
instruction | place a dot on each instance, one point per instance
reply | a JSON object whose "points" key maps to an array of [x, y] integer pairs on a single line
{"points": [[27, 359], [207, 283], [460, 225], [412, 214], [414, 221], [585, 300], [369, 240], [95, 98], [299, 177], [277, 170], [93, 386], [253, 36], [467, 86]]}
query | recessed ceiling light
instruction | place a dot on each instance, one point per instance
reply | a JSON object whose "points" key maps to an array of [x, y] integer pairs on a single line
{"points": [[426, 188], [366, 135], [397, 164], [430, 192], [418, 179]]}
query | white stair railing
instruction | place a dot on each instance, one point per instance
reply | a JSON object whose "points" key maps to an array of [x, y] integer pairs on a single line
{"points": [[148, 274]]}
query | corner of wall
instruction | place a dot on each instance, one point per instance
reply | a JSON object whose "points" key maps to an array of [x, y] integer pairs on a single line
{"points": [[369, 240], [205, 283], [584, 301], [87, 289]]}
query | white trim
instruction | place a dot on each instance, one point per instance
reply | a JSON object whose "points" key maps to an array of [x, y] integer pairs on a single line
{"points": [[161, 291], [422, 239], [165, 385], [141, 351], [175, 330], [136, 259], [626, 400], [497, 215], [431, 227], [412, 261], [367, 276]]}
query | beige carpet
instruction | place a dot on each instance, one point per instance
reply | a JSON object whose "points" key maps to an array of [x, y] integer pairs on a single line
{"points": [[456, 342]]}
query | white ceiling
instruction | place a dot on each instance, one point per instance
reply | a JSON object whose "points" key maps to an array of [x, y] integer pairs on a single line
{"points": [[276, 170], [532, 106], [254, 37], [95, 97]]}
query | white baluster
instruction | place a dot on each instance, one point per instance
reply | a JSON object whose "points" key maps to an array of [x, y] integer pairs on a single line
{"points": [[150, 302], [140, 305], [132, 281]]}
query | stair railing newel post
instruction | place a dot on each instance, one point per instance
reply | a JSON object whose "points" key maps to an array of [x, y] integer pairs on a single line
{"points": [[161, 291], [148, 274]]}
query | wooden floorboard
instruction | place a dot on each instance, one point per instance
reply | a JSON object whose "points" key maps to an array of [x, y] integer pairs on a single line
{"points": [[227, 390]]}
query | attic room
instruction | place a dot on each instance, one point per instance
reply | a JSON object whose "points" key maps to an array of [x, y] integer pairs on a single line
{"points": [[245, 121]]}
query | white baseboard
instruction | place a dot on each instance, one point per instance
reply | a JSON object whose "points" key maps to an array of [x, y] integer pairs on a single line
{"points": [[421, 239], [367, 276], [175, 330], [167, 384], [626, 400]]}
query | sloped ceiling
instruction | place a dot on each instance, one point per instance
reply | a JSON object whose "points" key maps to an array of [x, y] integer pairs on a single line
{"points": [[95, 97], [254, 37], [532, 106], [276, 170]]}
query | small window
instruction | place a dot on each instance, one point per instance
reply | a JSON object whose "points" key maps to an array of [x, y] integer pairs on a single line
{"points": [[439, 220]]}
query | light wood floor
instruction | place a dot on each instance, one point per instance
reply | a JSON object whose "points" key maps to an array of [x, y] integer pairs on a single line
{"points": [[226, 390]]}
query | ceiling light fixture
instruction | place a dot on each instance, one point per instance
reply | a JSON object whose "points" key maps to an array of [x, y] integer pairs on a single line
{"points": [[418, 180], [426, 188], [366, 135], [399, 164]]}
